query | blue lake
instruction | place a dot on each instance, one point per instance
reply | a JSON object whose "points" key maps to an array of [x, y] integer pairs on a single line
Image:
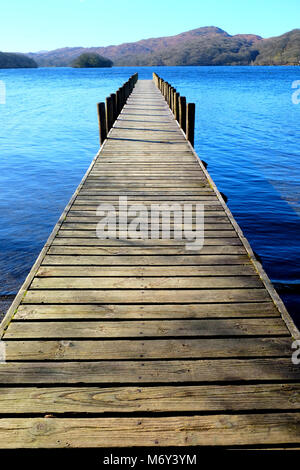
{"points": [[247, 130]]}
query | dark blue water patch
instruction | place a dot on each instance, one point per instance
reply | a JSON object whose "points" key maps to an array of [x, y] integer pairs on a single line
{"points": [[247, 130]]}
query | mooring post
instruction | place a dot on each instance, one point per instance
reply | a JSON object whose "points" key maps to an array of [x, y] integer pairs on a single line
{"points": [[118, 100], [122, 96], [114, 106], [102, 122], [176, 106], [173, 100], [182, 113], [190, 123], [109, 113]]}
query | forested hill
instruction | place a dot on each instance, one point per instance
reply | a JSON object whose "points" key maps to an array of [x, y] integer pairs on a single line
{"points": [[14, 61], [202, 46]]}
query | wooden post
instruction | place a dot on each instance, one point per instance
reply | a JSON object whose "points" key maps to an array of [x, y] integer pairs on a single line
{"points": [[114, 106], [118, 98], [122, 96], [182, 113], [190, 123], [102, 122], [167, 92], [173, 100], [176, 106], [126, 91], [171, 97], [109, 114]]}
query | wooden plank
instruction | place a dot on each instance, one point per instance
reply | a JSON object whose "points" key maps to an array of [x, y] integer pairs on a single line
{"points": [[144, 260], [147, 191], [158, 371], [64, 240], [92, 218], [219, 430], [209, 208], [146, 311], [143, 250], [153, 328], [149, 198], [145, 296], [148, 185], [260, 397], [146, 282], [53, 350], [93, 226], [214, 235], [121, 271]]}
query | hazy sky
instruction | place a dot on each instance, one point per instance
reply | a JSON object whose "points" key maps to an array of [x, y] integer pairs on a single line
{"points": [[32, 25]]}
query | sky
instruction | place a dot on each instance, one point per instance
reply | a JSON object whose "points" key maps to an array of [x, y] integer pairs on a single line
{"points": [[34, 25]]}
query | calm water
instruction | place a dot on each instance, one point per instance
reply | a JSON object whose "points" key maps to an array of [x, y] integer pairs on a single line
{"points": [[247, 130]]}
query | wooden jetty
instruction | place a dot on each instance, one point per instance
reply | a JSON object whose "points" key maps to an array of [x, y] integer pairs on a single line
{"points": [[130, 342]]}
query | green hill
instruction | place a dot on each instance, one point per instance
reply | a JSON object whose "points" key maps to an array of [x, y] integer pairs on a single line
{"points": [[280, 50], [200, 51], [88, 60], [14, 61]]}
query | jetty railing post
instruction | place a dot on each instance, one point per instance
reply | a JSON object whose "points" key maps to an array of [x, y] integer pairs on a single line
{"points": [[190, 123], [173, 100], [122, 96], [176, 106], [118, 100], [126, 91], [114, 106], [182, 113], [102, 122], [109, 114]]}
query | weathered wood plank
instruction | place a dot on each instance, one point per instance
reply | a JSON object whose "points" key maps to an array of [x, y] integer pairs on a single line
{"points": [[152, 328], [143, 250], [89, 218], [208, 234], [146, 311], [198, 370], [207, 226], [144, 271], [182, 398], [146, 282], [144, 296], [144, 260], [219, 430], [87, 350], [62, 239]]}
